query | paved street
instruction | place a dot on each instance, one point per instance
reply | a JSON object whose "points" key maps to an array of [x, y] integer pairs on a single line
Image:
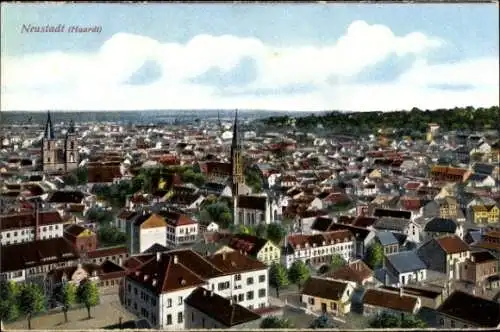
{"points": [[106, 313]]}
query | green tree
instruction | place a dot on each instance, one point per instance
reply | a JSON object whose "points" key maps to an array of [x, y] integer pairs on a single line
{"points": [[219, 213], [111, 236], [274, 322], [99, 216], [278, 277], [82, 174], [67, 297], [337, 262], [412, 322], [375, 255], [70, 179], [298, 273], [31, 300], [385, 320], [275, 232], [322, 322], [261, 230], [88, 295], [9, 292]]}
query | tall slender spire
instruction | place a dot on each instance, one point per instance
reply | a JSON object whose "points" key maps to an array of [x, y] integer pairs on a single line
{"points": [[236, 166], [49, 129]]}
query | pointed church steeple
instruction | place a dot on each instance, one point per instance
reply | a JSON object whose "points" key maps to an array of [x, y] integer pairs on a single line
{"points": [[236, 166], [49, 129]]}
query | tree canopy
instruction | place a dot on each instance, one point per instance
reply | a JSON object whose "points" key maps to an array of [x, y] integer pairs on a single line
{"points": [[88, 295], [67, 296], [402, 123], [274, 322], [337, 262], [276, 232], [31, 300], [322, 322], [389, 320], [298, 273], [9, 308], [375, 255], [278, 277]]}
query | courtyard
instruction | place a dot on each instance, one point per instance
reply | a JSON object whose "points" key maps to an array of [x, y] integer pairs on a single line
{"points": [[108, 312]]}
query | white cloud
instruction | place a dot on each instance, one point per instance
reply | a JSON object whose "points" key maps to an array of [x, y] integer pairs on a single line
{"points": [[97, 81]]}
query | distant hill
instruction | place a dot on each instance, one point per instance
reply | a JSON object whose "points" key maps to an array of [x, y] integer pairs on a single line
{"points": [[410, 122]]}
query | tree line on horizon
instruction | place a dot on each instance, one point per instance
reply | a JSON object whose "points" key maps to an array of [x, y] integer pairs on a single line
{"points": [[412, 123]]}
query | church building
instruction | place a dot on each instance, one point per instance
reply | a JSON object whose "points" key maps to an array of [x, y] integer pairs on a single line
{"points": [[59, 155]]}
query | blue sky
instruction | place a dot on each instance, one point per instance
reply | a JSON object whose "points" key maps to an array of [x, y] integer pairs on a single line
{"points": [[262, 56]]}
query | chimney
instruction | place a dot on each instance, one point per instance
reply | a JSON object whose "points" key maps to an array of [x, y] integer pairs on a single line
{"points": [[158, 256], [400, 291], [176, 259]]}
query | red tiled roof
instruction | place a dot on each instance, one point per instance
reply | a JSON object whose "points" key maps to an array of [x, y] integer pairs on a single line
{"points": [[452, 244], [20, 220]]}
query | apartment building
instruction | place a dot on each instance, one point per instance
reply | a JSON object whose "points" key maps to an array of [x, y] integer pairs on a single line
{"points": [[157, 290], [28, 227], [318, 249]]}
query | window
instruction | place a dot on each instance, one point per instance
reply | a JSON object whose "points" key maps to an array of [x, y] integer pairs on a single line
{"points": [[237, 277], [223, 285], [180, 300], [192, 316], [250, 295], [311, 300], [15, 233], [169, 319], [250, 281], [179, 318], [135, 291], [262, 278], [203, 322], [129, 288], [169, 303], [441, 322], [452, 322], [241, 297], [262, 292]]}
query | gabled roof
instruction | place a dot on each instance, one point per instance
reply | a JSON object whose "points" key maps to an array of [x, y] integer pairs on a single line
{"points": [[219, 308], [247, 243], [22, 220], [20, 256], [392, 213], [66, 197], [452, 244], [321, 224], [356, 271], [470, 308], [252, 202], [441, 225], [406, 261], [165, 274], [324, 288], [386, 238], [390, 300], [388, 223]]}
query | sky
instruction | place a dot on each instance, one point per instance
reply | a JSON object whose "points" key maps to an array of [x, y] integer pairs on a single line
{"points": [[294, 57]]}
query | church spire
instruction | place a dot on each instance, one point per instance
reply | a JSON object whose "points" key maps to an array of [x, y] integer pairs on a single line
{"points": [[236, 166], [49, 129]]}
